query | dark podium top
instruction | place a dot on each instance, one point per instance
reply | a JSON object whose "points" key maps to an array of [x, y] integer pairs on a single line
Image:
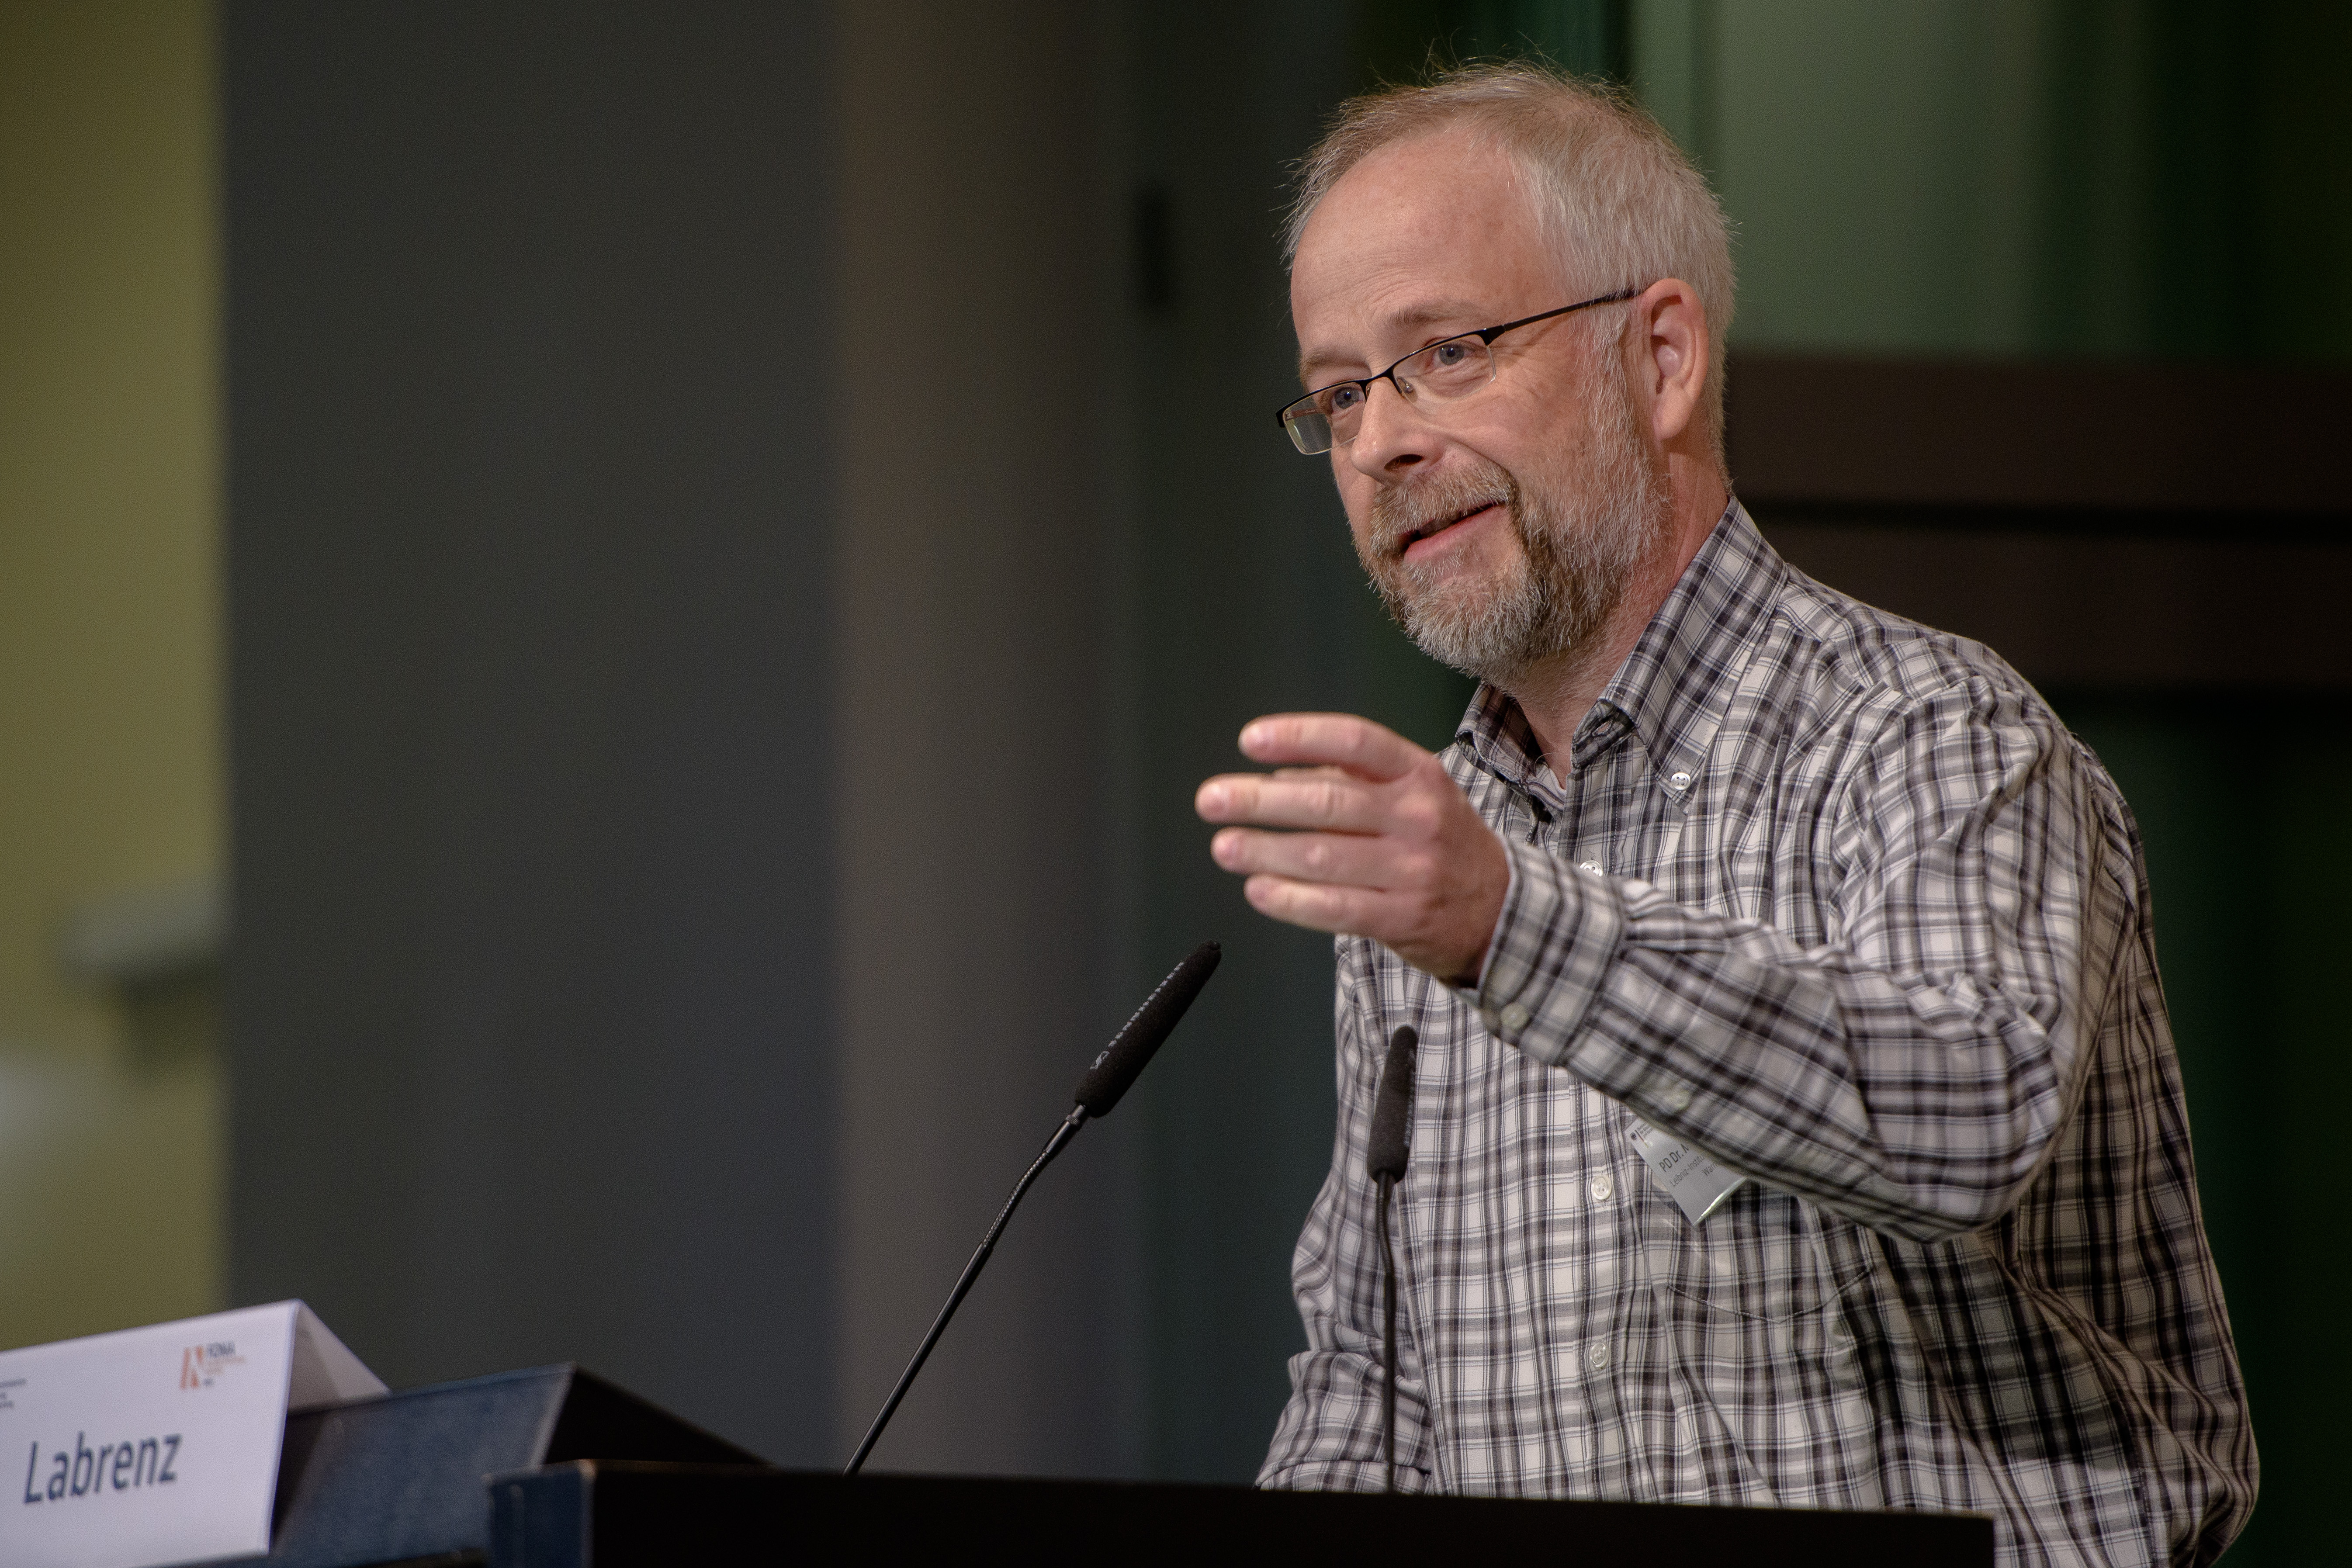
{"points": [[617, 1515], [554, 1467]]}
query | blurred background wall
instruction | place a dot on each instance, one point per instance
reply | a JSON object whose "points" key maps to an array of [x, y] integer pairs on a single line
{"points": [[745, 523], [531, 515], [112, 838]]}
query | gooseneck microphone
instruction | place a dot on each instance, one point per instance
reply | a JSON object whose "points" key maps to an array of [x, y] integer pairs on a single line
{"points": [[1384, 1162], [1111, 1076]]}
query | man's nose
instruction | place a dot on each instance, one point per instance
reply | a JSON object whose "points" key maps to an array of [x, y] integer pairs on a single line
{"points": [[1393, 435]]}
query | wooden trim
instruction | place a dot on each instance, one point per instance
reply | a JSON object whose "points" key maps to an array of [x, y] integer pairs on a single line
{"points": [[2080, 610], [2078, 436]]}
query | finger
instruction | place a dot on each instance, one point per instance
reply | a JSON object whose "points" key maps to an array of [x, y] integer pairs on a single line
{"points": [[1353, 858], [1329, 800], [1334, 740], [1323, 906]]}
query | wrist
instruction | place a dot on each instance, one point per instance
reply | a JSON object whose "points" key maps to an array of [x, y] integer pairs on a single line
{"points": [[1471, 975]]}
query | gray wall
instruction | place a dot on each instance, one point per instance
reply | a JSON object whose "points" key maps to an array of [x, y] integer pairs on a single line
{"points": [[1250, 602], [676, 498], [978, 966], [741, 548], [530, 533]]}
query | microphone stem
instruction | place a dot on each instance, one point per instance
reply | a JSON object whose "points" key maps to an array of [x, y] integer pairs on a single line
{"points": [[1388, 1334], [1053, 1145]]}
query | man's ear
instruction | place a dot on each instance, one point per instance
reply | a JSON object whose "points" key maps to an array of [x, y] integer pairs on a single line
{"points": [[1673, 352]]}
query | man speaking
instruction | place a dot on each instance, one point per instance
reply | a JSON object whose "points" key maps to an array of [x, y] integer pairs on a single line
{"points": [[1725, 874]]}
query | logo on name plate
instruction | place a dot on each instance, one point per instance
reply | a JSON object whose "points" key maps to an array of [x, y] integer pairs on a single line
{"points": [[200, 1364]]}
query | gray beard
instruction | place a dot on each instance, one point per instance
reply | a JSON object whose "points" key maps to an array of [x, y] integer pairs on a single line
{"points": [[1579, 553]]}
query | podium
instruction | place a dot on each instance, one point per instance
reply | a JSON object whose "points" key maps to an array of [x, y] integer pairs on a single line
{"points": [[622, 1515], [554, 1467], [399, 1478]]}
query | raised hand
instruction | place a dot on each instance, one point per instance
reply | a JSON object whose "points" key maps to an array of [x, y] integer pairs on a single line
{"points": [[1371, 838]]}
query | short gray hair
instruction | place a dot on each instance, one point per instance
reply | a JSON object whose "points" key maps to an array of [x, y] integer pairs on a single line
{"points": [[1617, 200]]}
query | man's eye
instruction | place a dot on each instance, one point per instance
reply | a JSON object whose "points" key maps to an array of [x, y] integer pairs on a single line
{"points": [[1342, 398], [1449, 356]]}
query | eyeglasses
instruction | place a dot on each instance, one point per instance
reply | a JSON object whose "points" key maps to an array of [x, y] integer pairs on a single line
{"points": [[1330, 416]]}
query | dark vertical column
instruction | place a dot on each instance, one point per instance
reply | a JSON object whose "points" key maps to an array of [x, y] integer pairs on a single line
{"points": [[978, 493], [530, 518], [1248, 600]]}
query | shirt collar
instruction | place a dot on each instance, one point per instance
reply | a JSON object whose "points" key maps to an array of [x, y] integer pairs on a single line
{"points": [[1675, 687]]}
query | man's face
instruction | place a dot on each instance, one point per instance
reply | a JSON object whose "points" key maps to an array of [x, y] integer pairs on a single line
{"points": [[1500, 527]]}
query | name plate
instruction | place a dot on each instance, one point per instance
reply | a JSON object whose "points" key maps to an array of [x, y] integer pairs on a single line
{"points": [[1689, 1176], [159, 1444]]}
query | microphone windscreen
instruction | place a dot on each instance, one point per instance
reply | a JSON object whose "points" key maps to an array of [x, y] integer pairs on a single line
{"points": [[1124, 1058], [1392, 1108]]}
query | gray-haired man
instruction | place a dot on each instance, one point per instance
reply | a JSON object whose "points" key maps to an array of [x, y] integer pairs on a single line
{"points": [[1723, 871]]}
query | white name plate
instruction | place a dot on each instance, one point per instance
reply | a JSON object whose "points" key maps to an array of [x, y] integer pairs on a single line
{"points": [[1689, 1176], [159, 1444]]}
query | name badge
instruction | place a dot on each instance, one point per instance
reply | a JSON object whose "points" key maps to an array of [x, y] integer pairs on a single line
{"points": [[159, 1444], [1689, 1176]]}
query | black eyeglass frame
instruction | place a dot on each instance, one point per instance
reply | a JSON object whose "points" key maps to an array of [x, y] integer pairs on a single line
{"points": [[1485, 335]]}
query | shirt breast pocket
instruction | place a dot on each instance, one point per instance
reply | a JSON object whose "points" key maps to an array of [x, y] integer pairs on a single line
{"points": [[1766, 1344]]}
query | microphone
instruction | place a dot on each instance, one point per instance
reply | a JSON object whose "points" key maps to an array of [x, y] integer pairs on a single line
{"points": [[1110, 1077], [1384, 1162], [1122, 1061], [1393, 1109]]}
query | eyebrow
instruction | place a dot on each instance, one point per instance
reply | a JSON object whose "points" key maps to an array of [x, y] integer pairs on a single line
{"points": [[1419, 315]]}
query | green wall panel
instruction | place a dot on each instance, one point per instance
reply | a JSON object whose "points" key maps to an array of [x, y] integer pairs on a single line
{"points": [[2245, 804]]}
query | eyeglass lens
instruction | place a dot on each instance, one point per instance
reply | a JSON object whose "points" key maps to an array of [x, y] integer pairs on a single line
{"points": [[1330, 417]]}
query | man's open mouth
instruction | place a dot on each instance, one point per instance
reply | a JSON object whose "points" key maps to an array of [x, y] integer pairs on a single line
{"points": [[1439, 525]]}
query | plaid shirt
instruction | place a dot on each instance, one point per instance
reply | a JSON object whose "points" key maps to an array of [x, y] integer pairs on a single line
{"points": [[1838, 900]]}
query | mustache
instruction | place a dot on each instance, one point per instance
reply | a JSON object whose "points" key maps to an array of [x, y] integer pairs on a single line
{"points": [[1408, 512]]}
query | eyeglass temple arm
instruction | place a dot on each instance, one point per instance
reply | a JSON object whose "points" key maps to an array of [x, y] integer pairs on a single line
{"points": [[1488, 334], [1483, 334]]}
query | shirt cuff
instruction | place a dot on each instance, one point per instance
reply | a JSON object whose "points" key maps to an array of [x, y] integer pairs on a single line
{"points": [[1342, 1476], [1558, 932]]}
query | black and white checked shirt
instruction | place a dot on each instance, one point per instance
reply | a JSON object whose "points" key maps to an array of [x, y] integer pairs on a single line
{"points": [[1837, 900]]}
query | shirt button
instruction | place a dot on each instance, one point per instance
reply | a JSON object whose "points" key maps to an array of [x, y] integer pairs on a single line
{"points": [[1601, 1188], [1679, 779], [1514, 1019], [1596, 1355], [1675, 1097], [1592, 866]]}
